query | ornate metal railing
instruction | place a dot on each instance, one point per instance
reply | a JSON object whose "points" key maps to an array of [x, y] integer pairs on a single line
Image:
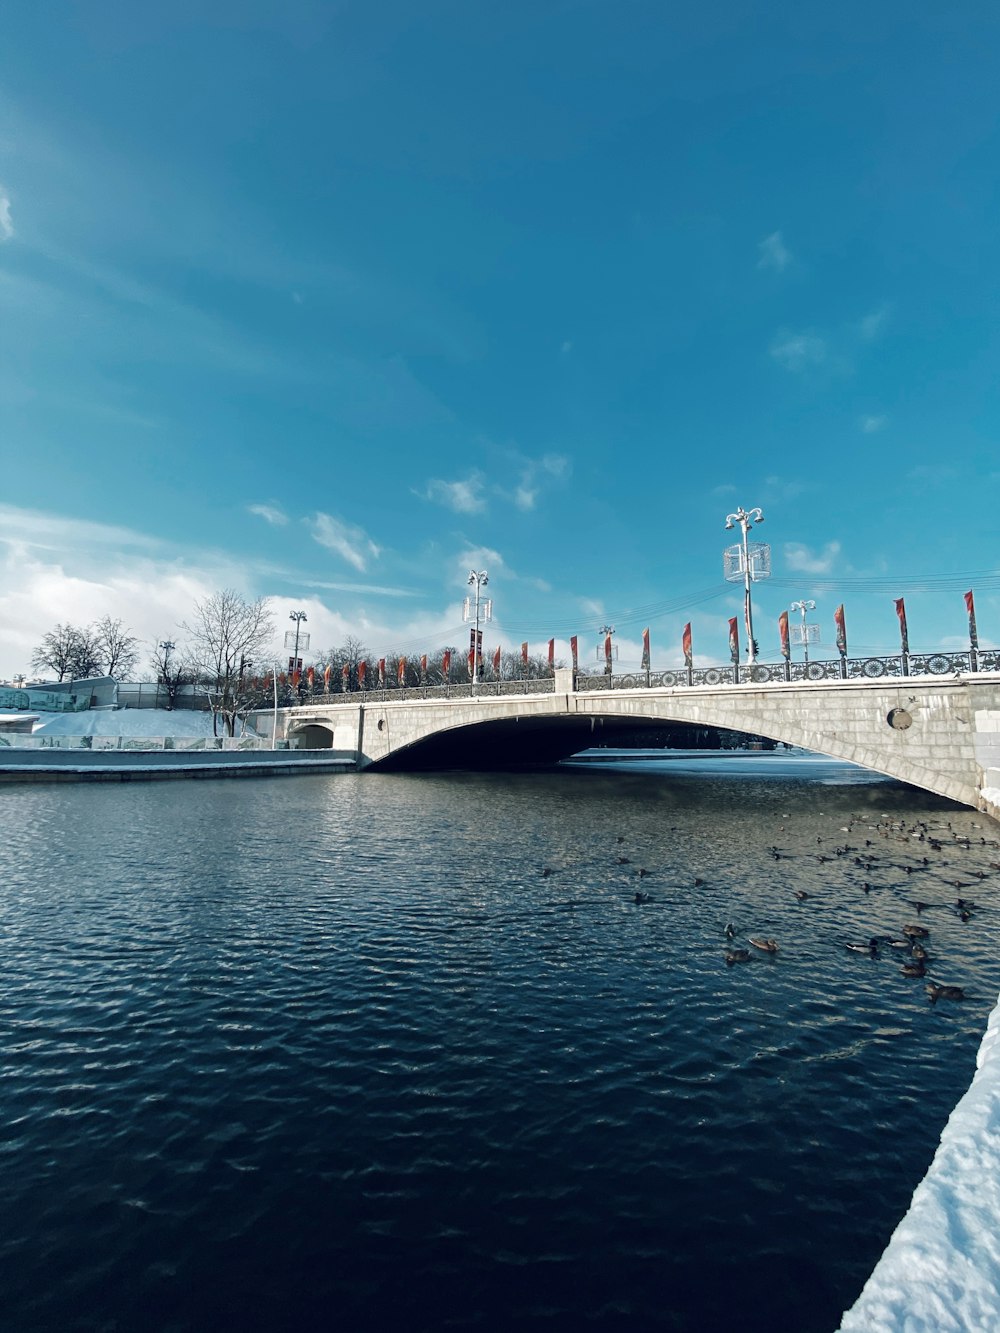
{"points": [[387, 693], [761, 673]]}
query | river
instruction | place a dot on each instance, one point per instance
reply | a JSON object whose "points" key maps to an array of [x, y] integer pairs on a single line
{"points": [[391, 1051]]}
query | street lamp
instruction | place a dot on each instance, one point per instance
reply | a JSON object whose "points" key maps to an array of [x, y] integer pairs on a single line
{"points": [[298, 617], [478, 579], [805, 630], [749, 562], [607, 631]]}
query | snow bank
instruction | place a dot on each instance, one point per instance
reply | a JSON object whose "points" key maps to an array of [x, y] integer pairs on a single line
{"points": [[940, 1272], [127, 722]]}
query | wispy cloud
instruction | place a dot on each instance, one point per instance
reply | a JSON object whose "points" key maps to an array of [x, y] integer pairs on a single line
{"points": [[798, 351], [806, 561], [270, 514], [6, 223], [350, 542], [872, 424], [536, 474], [773, 253], [463, 497], [873, 324]]}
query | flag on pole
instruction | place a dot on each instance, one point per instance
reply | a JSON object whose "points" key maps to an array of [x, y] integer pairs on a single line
{"points": [[901, 612], [401, 672], [496, 660], [471, 660], [524, 652], [311, 677], [786, 650], [423, 666], [841, 623], [283, 679], [607, 654], [574, 648], [296, 677], [645, 650], [970, 606], [345, 676], [686, 645], [362, 673], [381, 671], [734, 640], [552, 654], [326, 677], [446, 663]]}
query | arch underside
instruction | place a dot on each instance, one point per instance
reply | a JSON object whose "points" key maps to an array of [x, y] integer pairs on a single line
{"points": [[527, 742]]}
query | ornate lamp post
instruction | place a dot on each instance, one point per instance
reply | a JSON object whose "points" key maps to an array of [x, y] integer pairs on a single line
{"points": [[299, 617], [478, 579], [749, 561], [805, 631], [607, 631]]}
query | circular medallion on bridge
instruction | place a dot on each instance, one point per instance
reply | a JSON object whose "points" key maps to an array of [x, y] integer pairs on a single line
{"points": [[815, 671], [899, 719], [668, 680], [873, 667], [759, 674], [938, 664], [712, 676]]}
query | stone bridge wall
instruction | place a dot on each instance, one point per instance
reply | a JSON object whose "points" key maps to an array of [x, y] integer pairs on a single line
{"points": [[942, 734]]}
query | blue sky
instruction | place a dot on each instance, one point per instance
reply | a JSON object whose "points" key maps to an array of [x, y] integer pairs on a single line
{"points": [[332, 302]]}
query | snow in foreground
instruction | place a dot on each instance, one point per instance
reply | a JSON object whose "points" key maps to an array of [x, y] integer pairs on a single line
{"points": [[126, 722], [940, 1272]]}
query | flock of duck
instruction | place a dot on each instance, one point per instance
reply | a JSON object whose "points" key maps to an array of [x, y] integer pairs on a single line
{"points": [[933, 844], [913, 937]]}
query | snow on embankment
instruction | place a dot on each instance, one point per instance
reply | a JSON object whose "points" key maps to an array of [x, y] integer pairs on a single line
{"points": [[940, 1272], [126, 722]]}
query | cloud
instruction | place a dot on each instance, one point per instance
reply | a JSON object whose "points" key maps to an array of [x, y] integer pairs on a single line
{"points": [[463, 497], [798, 351], [349, 541], [871, 424], [801, 559], [774, 254], [929, 476], [535, 474], [872, 325], [6, 224], [270, 514]]}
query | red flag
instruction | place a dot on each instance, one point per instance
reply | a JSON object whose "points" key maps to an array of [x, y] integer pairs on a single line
{"points": [[345, 676], [446, 663], [326, 678], [607, 653], [496, 660], [552, 654], [311, 677], [362, 673], [645, 650], [401, 672], [423, 665], [686, 645], [296, 677], [734, 640], [786, 650], [574, 648], [901, 612], [283, 678], [970, 606], [841, 623], [381, 670], [471, 660], [524, 653]]}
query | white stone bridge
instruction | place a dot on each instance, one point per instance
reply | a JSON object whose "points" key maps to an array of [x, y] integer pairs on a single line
{"points": [[936, 732]]}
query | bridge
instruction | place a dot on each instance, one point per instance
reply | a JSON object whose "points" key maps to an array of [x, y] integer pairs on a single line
{"points": [[933, 722]]}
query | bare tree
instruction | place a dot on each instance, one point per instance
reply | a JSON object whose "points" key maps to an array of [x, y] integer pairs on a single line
{"points": [[69, 651], [171, 670], [226, 639], [119, 649]]}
